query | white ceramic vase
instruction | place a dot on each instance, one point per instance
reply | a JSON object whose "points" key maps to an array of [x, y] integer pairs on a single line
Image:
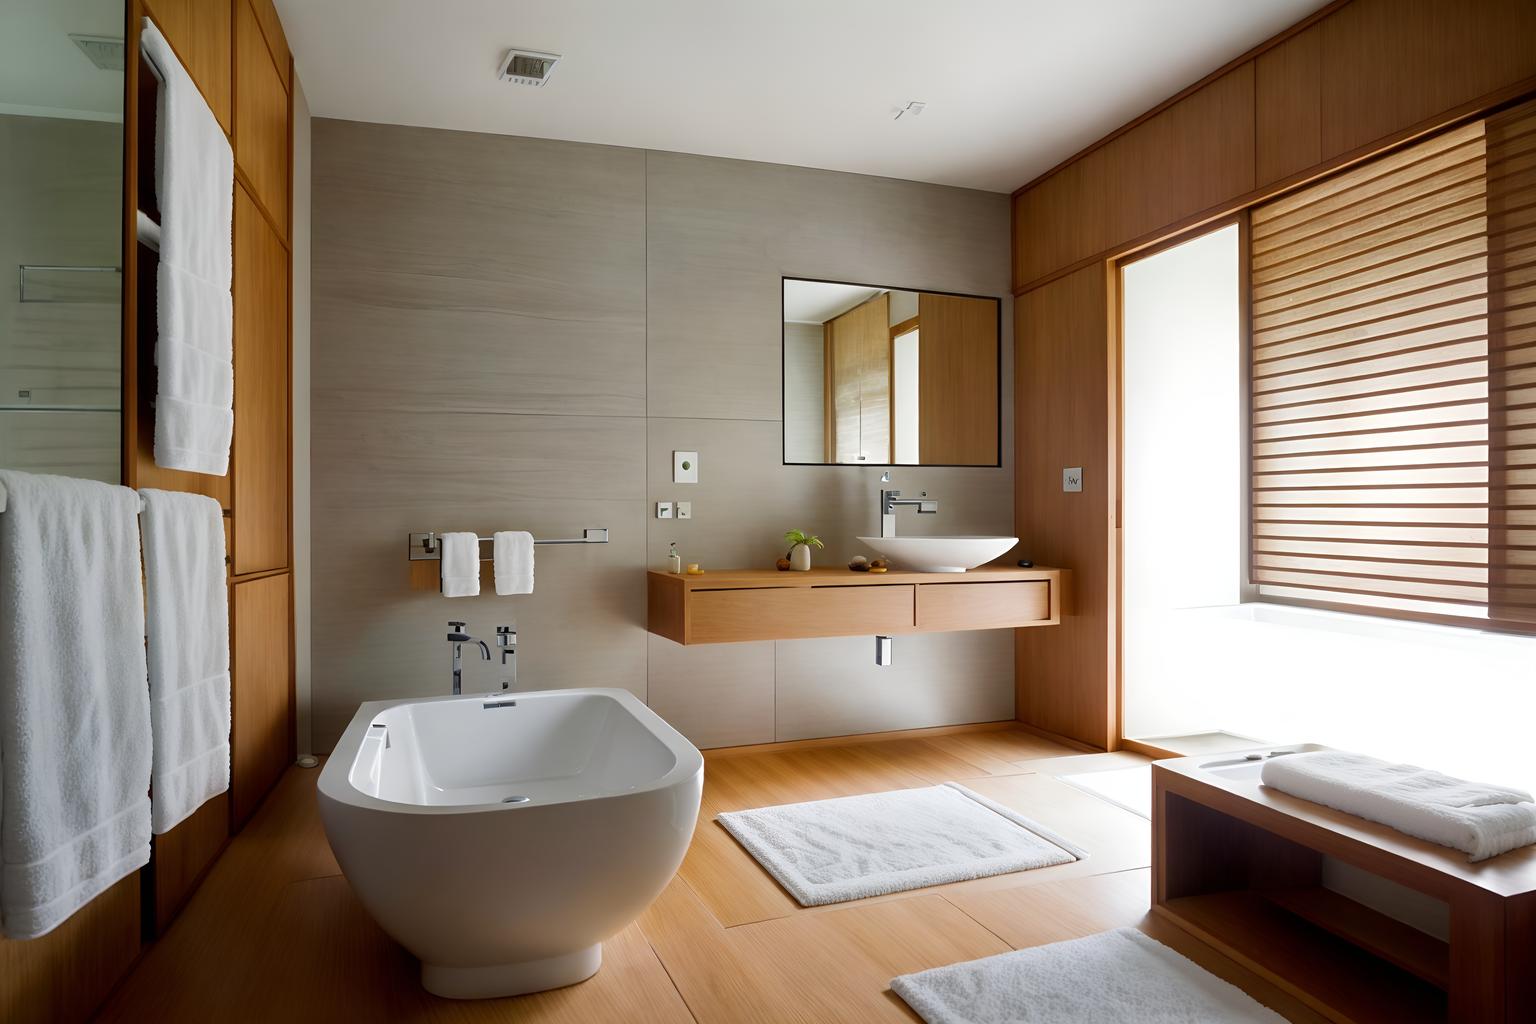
{"points": [[800, 558]]}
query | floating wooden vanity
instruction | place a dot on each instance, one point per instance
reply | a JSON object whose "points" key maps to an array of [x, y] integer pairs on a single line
{"points": [[765, 604]]}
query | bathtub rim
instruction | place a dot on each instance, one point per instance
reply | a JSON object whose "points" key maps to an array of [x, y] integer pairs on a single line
{"points": [[335, 782]]}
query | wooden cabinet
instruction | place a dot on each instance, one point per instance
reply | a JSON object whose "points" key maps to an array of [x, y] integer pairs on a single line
{"points": [[942, 607], [727, 616], [183, 856], [200, 32], [261, 740], [762, 604], [65, 975], [260, 454], [261, 117]]}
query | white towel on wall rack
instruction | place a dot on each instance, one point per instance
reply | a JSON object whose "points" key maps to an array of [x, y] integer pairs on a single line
{"points": [[512, 554], [194, 183], [74, 698], [188, 641], [460, 565]]}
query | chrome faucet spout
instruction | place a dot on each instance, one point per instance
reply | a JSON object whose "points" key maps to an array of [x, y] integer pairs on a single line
{"points": [[891, 500], [457, 638]]}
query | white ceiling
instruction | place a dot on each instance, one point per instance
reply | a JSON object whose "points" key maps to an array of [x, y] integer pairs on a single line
{"points": [[43, 72], [816, 302], [1012, 87]]}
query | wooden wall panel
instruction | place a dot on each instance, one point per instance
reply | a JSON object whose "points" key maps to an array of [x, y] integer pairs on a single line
{"points": [[184, 854], [261, 118], [260, 456], [1360, 77], [277, 39], [957, 388], [262, 695], [1200, 152], [200, 32], [1388, 65], [63, 976], [1062, 402], [1287, 100]]}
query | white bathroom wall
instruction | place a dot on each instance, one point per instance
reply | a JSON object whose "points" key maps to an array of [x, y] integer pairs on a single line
{"points": [[515, 332], [805, 425]]}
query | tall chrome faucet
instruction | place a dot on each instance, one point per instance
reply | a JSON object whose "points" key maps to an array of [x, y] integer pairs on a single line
{"points": [[457, 638], [890, 501]]}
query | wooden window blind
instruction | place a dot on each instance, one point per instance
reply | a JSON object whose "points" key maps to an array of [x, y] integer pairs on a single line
{"points": [[1393, 382]]}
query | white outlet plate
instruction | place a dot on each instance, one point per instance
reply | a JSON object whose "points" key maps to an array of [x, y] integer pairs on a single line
{"points": [[663, 510], [1072, 478], [685, 467], [685, 510]]}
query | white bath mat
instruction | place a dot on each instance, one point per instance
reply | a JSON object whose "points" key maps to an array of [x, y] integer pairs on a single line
{"points": [[1109, 978], [828, 851], [1130, 788]]}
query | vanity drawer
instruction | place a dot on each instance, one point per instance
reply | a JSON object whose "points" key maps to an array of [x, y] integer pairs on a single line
{"points": [[952, 606], [727, 616]]}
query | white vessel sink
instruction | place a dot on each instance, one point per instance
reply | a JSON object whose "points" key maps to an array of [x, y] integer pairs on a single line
{"points": [[940, 554]]}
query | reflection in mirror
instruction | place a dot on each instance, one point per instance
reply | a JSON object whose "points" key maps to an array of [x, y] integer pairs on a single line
{"points": [[882, 376], [61, 165]]}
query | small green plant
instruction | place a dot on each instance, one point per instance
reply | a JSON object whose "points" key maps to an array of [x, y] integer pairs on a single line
{"points": [[794, 538]]}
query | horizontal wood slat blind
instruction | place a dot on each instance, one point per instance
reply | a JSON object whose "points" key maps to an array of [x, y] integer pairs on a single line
{"points": [[1512, 365], [1369, 389]]}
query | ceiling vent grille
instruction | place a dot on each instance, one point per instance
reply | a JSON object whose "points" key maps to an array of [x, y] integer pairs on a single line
{"points": [[104, 51], [528, 67]]}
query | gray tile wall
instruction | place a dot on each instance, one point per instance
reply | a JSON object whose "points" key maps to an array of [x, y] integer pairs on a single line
{"points": [[514, 332]]}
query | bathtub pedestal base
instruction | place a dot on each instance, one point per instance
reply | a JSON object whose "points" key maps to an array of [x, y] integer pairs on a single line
{"points": [[512, 979]]}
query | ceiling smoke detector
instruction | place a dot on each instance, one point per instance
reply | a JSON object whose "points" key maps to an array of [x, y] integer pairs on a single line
{"points": [[104, 51], [527, 67]]}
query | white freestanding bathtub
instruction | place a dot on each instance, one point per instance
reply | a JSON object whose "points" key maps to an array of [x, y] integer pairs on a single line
{"points": [[501, 838]]}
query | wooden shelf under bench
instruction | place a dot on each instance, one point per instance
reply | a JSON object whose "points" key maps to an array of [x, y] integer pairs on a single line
{"points": [[764, 604], [1242, 866]]}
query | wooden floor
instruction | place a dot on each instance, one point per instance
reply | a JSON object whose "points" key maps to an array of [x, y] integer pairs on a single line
{"points": [[275, 932]]}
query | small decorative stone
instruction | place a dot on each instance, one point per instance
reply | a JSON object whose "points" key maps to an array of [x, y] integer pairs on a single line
{"points": [[782, 565]]}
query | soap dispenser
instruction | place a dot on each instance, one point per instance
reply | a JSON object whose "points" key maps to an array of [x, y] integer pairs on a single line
{"points": [[674, 560]]}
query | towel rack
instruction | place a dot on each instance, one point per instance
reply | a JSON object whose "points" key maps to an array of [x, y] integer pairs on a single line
{"points": [[425, 546]]}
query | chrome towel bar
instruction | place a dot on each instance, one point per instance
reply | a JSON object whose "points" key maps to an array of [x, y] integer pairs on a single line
{"points": [[424, 546]]}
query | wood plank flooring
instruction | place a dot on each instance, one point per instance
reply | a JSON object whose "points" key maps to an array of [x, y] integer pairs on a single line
{"points": [[275, 933]]}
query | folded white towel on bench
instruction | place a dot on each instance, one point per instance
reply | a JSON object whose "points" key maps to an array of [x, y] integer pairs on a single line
{"points": [[1480, 819]]}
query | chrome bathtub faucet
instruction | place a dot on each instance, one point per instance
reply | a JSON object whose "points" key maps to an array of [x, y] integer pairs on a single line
{"points": [[457, 638], [506, 639]]}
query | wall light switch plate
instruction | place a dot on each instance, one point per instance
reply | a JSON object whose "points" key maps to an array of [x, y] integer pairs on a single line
{"points": [[663, 510], [685, 510], [1072, 478], [685, 467]]}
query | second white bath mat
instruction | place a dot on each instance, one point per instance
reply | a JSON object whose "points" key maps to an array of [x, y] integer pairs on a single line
{"points": [[1103, 979], [829, 851]]}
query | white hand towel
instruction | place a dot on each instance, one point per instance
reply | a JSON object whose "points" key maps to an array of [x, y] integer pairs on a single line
{"points": [[1481, 820], [74, 700], [513, 554], [194, 182], [188, 619], [461, 564]]}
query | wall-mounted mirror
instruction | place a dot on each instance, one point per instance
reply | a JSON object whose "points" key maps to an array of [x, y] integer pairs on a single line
{"points": [[879, 376], [61, 219]]}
